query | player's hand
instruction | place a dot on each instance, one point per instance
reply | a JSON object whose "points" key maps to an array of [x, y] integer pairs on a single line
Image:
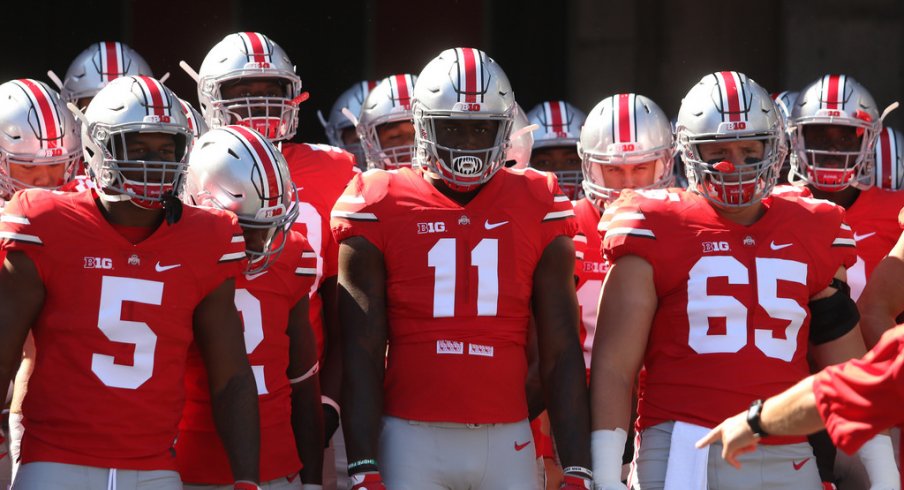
{"points": [[368, 480], [571, 482], [736, 438], [245, 485]]}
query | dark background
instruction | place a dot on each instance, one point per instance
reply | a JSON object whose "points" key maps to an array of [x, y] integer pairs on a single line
{"points": [[579, 50]]}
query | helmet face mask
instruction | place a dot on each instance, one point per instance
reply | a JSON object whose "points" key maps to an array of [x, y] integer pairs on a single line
{"points": [[239, 170], [142, 114], [39, 139], [463, 116], [728, 109], [889, 160], [831, 161], [247, 58], [626, 142]]}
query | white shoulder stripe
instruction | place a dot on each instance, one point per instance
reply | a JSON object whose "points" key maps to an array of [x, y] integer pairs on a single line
{"points": [[630, 231], [309, 255], [306, 271], [558, 214], [238, 239], [579, 255], [561, 198], [844, 241], [358, 216], [356, 199], [19, 220], [629, 216], [21, 237], [580, 238], [232, 256], [845, 227]]}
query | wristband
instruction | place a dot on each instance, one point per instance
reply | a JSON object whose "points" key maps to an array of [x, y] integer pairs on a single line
{"points": [[878, 458], [578, 471], [245, 485], [325, 400], [363, 466], [608, 447], [311, 372]]}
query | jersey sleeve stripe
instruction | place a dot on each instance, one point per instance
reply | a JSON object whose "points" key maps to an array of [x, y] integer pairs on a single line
{"points": [[628, 216], [638, 232], [21, 237], [238, 239], [579, 255], [306, 271], [554, 215], [356, 199], [580, 237], [19, 220], [309, 255], [356, 216], [232, 256], [844, 242], [845, 227], [561, 198]]}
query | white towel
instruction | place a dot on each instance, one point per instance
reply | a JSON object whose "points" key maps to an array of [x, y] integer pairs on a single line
{"points": [[687, 464]]}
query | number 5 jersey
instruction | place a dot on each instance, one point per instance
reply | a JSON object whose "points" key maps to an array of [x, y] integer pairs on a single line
{"points": [[732, 322], [459, 281]]}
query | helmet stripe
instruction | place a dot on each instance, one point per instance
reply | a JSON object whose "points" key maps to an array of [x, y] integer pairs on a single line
{"points": [[884, 169], [402, 89], [556, 120], [833, 91], [48, 118], [729, 82], [267, 163], [470, 59], [256, 42], [111, 63], [189, 116], [155, 95], [625, 118]]}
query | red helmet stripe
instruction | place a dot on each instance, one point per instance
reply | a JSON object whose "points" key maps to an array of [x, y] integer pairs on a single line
{"points": [[111, 64], [368, 86], [731, 94], [833, 86], [402, 89], [189, 115], [556, 113], [48, 118], [625, 118], [256, 42], [267, 163], [886, 165], [155, 96], [470, 74]]}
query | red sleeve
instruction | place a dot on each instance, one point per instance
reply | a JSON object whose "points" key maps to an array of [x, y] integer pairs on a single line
{"points": [[330, 256], [21, 227], [626, 229], [862, 397], [559, 218], [834, 244], [355, 212]]}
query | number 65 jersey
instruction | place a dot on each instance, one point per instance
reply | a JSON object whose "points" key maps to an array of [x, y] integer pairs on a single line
{"points": [[458, 286], [732, 322], [114, 330]]}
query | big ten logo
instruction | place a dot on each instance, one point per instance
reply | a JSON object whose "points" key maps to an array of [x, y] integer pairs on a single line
{"points": [[715, 247], [435, 227], [561, 134], [157, 118], [50, 152], [622, 147], [466, 107], [733, 126], [98, 263], [257, 65], [596, 267], [829, 113]]}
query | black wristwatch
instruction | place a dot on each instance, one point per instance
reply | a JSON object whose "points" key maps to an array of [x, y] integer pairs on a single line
{"points": [[753, 418]]}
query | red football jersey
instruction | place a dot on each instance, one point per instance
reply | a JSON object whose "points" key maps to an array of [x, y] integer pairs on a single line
{"points": [[732, 322], [321, 173], [862, 397], [589, 269], [264, 301], [873, 218], [115, 327], [458, 286]]}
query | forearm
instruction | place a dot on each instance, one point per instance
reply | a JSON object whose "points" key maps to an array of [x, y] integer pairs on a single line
{"points": [[611, 396], [792, 412], [568, 405], [331, 367], [235, 413], [362, 395], [307, 424]]}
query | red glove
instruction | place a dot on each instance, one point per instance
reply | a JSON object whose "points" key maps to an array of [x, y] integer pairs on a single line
{"points": [[572, 482], [828, 486], [369, 480], [245, 485]]}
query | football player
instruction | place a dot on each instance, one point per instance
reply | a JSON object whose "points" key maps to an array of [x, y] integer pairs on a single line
{"points": [[834, 126], [248, 80], [448, 263], [106, 393], [340, 129], [236, 169], [555, 143], [385, 126], [721, 293], [95, 67]]}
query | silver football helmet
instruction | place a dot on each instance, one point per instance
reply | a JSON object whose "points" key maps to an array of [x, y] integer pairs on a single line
{"points": [[559, 126], [389, 102], [352, 100], [134, 105], [196, 123], [243, 56], [522, 141], [834, 100], [462, 84], [728, 106], [98, 65], [237, 169], [889, 160], [36, 128], [624, 129]]}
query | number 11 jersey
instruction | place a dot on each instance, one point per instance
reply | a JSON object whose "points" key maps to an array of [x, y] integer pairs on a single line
{"points": [[459, 281]]}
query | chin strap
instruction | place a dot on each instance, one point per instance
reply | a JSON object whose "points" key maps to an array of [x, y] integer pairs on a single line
{"points": [[172, 207]]}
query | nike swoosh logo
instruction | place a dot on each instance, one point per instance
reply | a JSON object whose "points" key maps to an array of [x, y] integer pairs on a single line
{"points": [[857, 237], [774, 246], [164, 268], [797, 466], [252, 277], [521, 446], [490, 226]]}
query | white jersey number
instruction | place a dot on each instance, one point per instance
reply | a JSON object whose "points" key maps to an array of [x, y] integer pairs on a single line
{"points": [[701, 306], [113, 292], [310, 218], [250, 309], [484, 256]]}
